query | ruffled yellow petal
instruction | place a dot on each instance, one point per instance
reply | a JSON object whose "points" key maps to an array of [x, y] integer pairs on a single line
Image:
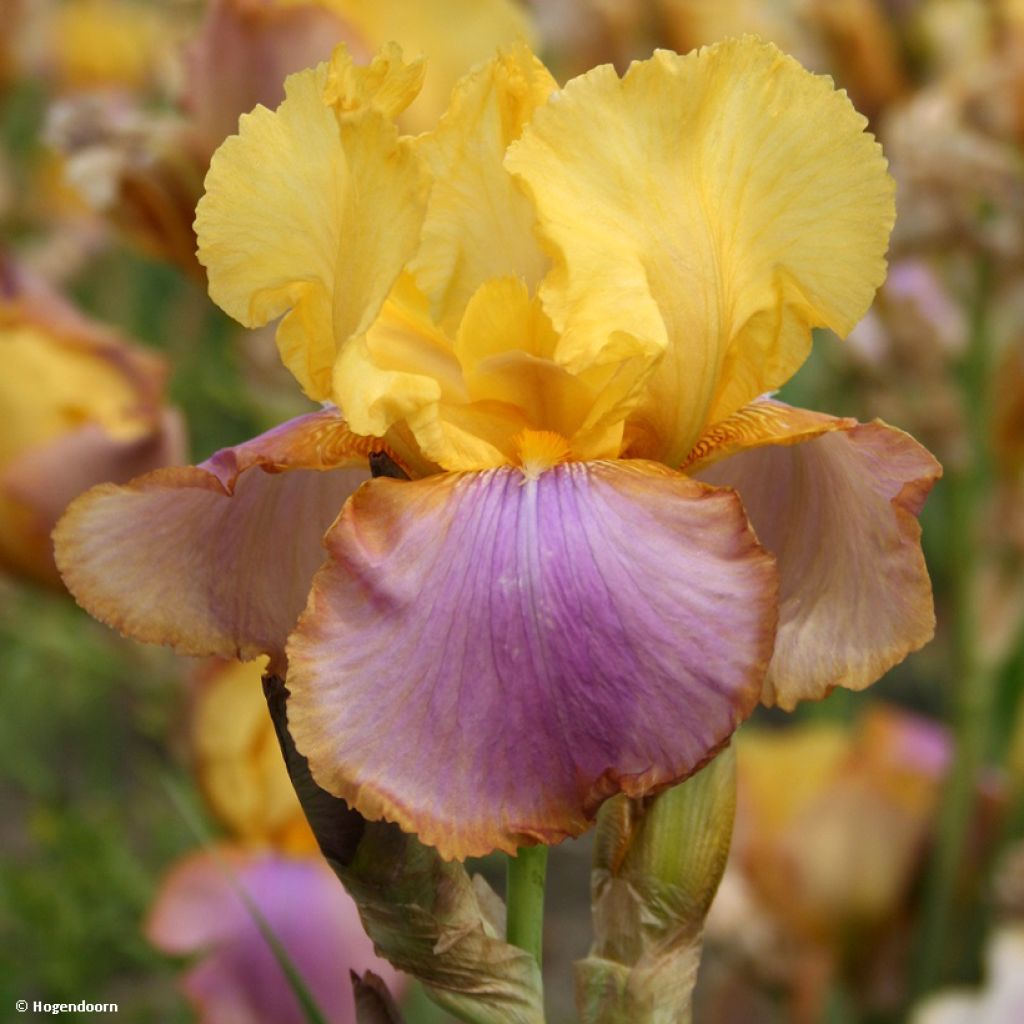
{"points": [[712, 208], [400, 365], [386, 84], [479, 223], [452, 34], [313, 214], [466, 400]]}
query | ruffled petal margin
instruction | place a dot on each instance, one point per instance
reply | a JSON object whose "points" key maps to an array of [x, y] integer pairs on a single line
{"points": [[486, 657], [708, 208], [836, 502], [312, 215], [214, 559]]}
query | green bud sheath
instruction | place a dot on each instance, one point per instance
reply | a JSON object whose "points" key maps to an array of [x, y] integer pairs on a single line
{"points": [[657, 865]]}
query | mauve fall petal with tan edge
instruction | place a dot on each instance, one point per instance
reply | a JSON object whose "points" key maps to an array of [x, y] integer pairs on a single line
{"points": [[838, 509], [486, 657], [216, 558]]}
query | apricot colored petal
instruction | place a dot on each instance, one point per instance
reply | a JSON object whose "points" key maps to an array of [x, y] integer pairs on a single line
{"points": [[479, 224], [710, 209], [764, 422], [839, 512], [37, 487], [199, 911], [215, 558], [312, 214], [487, 657]]}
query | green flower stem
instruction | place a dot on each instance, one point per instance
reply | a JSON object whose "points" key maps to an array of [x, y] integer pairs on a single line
{"points": [[527, 872], [974, 684]]}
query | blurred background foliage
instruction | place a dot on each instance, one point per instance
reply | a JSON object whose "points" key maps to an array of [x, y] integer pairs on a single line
{"points": [[95, 731]]}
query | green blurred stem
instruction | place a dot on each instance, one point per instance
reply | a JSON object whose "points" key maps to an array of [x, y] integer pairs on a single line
{"points": [[974, 684], [527, 872]]}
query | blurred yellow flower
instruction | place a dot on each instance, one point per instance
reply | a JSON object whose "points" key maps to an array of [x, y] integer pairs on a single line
{"points": [[107, 43], [831, 822], [834, 825], [238, 761], [81, 406]]}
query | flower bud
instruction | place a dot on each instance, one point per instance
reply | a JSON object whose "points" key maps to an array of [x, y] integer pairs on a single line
{"points": [[657, 865]]}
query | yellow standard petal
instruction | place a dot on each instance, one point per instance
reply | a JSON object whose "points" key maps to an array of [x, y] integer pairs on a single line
{"points": [[479, 223], [463, 356], [713, 208], [452, 34], [387, 84], [312, 210]]}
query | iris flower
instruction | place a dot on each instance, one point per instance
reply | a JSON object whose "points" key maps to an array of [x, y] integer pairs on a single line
{"points": [[559, 313], [832, 823], [81, 404], [200, 913]]}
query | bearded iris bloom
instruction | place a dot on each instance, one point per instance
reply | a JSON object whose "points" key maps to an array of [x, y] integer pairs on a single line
{"points": [[559, 312]]}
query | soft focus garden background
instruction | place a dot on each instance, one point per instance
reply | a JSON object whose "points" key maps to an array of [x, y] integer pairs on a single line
{"points": [[867, 870]]}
